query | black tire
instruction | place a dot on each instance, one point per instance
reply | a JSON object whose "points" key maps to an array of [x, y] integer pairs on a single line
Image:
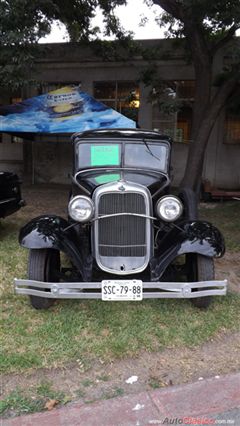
{"points": [[43, 265], [202, 269], [190, 203]]}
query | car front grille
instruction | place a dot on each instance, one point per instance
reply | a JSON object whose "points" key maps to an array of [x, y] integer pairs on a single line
{"points": [[122, 229], [122, 235]]}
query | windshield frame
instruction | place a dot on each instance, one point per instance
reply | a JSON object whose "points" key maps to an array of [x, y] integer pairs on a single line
{"points": [[120, 141]]}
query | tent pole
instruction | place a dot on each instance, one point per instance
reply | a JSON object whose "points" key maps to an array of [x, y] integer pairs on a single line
{"points": [[33, 164]]}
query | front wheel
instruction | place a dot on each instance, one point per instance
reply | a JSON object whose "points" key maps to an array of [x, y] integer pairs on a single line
{"points": [[201, 268], [43, 265]]}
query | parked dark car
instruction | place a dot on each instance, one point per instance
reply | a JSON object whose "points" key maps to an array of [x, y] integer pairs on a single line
{"points": [[10, 194], [127, 236]]}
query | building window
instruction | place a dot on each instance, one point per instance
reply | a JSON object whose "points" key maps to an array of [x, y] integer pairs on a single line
{"points": [[172, 109], [120, 95], [232, 128], [16, 100]]}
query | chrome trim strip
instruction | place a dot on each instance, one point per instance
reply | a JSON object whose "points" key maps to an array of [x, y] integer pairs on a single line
{"points": [[74, 180], [75, 290], [124, 214], [167, 183], [8, 200], [119, 169]]}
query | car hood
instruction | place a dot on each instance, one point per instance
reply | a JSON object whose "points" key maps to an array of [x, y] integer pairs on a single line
{"points": [[92, 179]]}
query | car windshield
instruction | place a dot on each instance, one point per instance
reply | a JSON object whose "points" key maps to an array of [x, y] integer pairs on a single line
{"points": [[146, 155]]}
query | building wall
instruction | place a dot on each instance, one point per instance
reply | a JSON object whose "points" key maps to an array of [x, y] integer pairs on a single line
{"points": [[49, 159], [222, 161], [11, 156]]}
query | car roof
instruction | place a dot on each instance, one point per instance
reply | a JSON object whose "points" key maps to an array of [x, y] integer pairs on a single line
{"points": [[121, 133]]}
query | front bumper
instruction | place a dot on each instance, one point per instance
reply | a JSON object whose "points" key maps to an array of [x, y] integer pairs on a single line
{"points": [[151, 290]]}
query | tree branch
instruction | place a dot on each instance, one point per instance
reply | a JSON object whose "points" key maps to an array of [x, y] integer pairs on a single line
{"points": [[192, 31], [170, 6], [229, 35]]}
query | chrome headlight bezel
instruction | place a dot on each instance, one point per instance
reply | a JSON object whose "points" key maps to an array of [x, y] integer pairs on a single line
{"points": [[170, 201], [76, 208]]}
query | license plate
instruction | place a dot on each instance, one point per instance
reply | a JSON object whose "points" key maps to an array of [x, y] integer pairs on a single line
{"points": [[121, 290]]}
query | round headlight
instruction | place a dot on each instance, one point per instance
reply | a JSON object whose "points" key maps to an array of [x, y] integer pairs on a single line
{"points": [[81, 208], [169, 208]]}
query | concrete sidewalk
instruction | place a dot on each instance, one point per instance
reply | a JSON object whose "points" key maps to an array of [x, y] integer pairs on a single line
{"points": [[203, 401]]}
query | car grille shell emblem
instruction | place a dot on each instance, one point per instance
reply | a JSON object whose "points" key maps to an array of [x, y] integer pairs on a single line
{"points": [[122, 188]]}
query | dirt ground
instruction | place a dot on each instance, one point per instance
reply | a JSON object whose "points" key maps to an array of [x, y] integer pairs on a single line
{"points": [[43, 199], [153, 370], [169, 367]]}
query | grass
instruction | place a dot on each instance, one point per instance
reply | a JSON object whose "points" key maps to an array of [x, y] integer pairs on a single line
{"points": [[155, 383], [113, 393], [109, 394], [87, 383], [225, 216], [25, 401], [81, 331]]}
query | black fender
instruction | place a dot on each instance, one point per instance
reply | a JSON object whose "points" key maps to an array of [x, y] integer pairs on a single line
{"points": [[187, 237], [51, 231], [190, 203]]}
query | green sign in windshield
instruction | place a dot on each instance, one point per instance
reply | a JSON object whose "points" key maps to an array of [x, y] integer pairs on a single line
{"points": [[107, 178], [102, 155]]}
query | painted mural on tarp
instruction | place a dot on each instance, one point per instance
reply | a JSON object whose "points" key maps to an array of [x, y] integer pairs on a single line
{"points": [[64, 110]]}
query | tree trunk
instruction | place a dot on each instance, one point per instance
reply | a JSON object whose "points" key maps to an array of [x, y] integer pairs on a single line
{"points": [[201, 126], [197, 148]]}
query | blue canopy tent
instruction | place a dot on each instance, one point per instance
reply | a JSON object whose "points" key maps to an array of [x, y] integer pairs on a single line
{"points": [[65, 110], [61, 112]]}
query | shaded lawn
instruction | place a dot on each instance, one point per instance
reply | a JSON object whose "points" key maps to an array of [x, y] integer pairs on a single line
{"points": [[225, 216]]}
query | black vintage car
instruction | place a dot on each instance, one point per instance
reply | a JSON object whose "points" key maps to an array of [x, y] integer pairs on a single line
{"points": [[10, 194], [127, 236]]}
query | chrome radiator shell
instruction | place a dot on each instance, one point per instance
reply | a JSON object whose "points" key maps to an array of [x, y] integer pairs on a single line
{"points": [[122, 235]]}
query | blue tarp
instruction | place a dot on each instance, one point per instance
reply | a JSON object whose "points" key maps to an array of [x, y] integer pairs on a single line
{"points": [[65, 110]]}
